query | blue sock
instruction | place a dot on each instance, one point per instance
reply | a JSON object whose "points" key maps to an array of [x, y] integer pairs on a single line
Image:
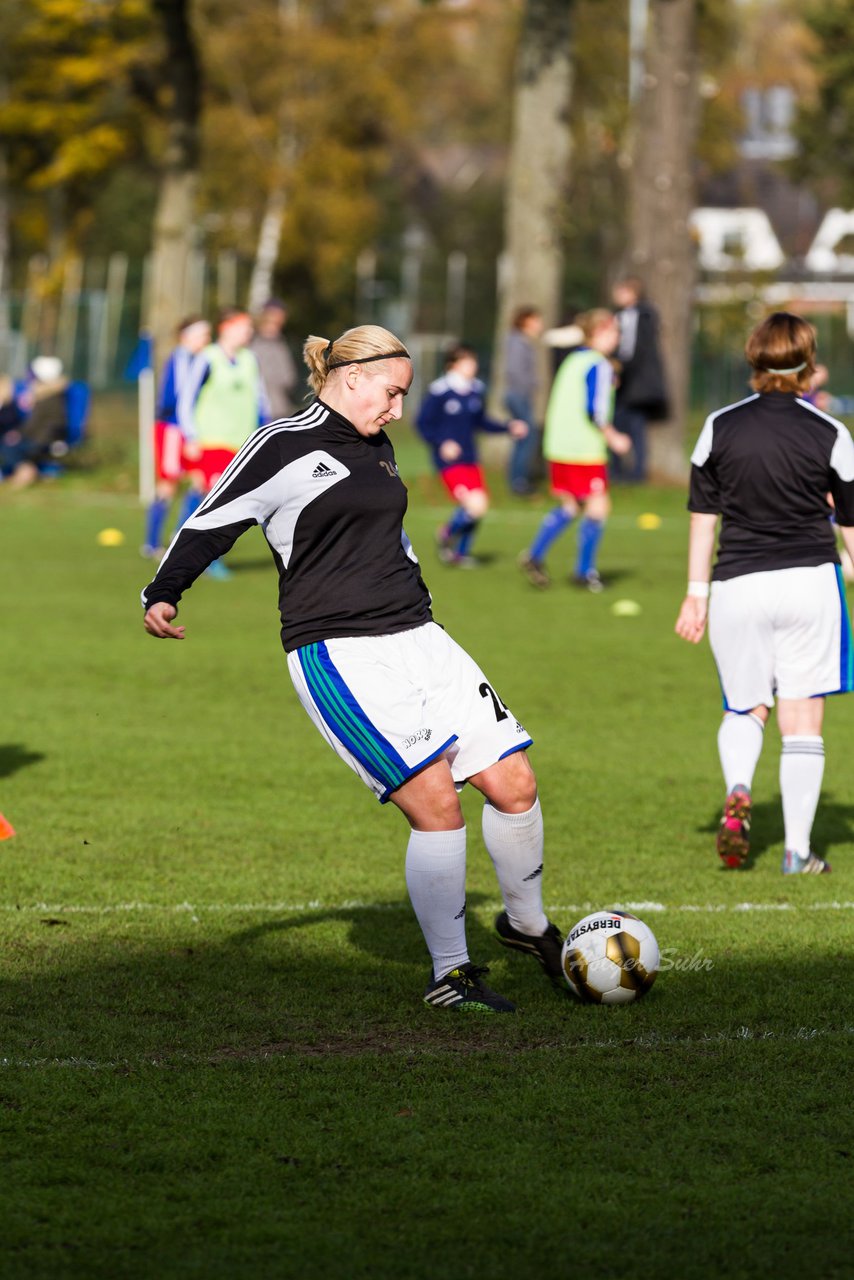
{"points": [[459, 523], [589, 536], [155, 520], [552, 527], [467, 536], [192, 502]]}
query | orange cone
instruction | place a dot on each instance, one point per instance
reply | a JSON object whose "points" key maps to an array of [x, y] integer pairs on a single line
{"points": [[6, 828]]}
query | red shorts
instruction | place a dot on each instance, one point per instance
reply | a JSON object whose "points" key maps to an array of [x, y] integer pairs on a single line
{"points": [[168, 446], [466, 475], [210, 465], [579, 479]]}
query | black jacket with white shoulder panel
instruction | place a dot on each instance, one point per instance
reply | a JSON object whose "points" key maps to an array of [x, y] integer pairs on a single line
{"points": [[767, 465], [331, 505]]}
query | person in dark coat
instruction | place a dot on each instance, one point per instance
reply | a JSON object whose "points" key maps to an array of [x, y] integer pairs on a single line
{"points": [[641, 390]]}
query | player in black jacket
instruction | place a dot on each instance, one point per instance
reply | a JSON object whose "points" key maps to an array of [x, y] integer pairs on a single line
{"points": [[403, 705], [778, 618]]}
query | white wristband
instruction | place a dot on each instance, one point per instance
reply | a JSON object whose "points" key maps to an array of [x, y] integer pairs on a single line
{"points": [[700, 589]]}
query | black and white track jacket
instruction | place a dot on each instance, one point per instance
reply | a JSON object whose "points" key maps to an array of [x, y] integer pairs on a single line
{"points": [[331, 505]]}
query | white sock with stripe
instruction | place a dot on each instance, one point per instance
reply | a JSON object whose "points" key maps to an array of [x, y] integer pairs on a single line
{"points": [[740, 741], [436, 881], [801, 772], [515, 845]]}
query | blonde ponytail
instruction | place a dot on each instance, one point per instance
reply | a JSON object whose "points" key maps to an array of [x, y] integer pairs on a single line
{"points": [[364, 344]]}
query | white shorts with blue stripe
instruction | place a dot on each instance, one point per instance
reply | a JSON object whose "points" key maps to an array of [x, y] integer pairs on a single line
{"points": [[389, 705], [785, 632]]}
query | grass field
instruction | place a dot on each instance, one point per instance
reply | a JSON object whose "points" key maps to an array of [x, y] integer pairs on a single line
{"points": [[215, 1061]]}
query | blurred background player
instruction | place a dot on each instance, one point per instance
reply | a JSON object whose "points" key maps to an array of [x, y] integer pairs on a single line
{"points": [[277, 365], [451, 413], [191, 336], [521, 383], [778, 618], [221, 402], [817, 392], [641, 393], [577, 438]]}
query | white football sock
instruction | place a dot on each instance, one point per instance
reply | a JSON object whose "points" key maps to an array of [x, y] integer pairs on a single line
{"points": [[740, 741], [436, 880], [801, 772], [515, 845]]}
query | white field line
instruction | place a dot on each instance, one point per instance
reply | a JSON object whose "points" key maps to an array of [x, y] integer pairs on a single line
{"points": [[269, 1054], [195, 909]]}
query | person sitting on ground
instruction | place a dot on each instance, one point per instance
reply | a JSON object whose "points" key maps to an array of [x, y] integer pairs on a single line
{"points": [[25, 448], [11, 413]]}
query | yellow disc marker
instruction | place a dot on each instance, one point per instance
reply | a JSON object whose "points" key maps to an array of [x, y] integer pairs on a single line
{"points": [[625, 608], [110, 538], [649, 520]]}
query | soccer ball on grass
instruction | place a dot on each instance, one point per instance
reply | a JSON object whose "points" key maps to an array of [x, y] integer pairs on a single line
{"points": [[610, 957]]}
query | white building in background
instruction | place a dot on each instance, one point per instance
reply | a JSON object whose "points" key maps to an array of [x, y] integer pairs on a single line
{"points": [[736, 240], [769, 117], [823, 255]]}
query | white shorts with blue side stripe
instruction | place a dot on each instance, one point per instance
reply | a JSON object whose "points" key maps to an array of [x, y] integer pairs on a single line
{"points": [[783, 633], [389, 705]]}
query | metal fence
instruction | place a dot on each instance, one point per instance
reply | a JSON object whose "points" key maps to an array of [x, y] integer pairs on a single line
{"points": [[89, 313]]}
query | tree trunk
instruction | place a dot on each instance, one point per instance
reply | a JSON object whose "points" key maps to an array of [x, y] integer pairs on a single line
{"points": [[270, 235], [173, 223], [661, 198], [535, 199], [174, 220], [267, 252], [5, 263], [5, 245]]}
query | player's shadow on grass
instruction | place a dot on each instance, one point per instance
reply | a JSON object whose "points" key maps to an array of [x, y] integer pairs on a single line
{"points": [[480, 560], [299, 986], [386, 932], [15, 756], [613, 577], [314, 981], [834, 826]]}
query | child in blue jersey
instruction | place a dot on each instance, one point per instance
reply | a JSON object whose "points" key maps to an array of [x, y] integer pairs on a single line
{"points": [[453, 410], [192, 335], [577, 438]]}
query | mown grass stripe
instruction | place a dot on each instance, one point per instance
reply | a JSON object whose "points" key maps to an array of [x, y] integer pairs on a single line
{"points": [[266, 1053]]}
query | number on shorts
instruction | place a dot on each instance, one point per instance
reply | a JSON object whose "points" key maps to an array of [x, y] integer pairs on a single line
{"points": [[487, 691]]}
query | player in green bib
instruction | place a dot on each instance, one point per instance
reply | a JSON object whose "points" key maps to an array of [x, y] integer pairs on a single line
{"points": [[221, 403], [577, 438], [226, 410]]}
